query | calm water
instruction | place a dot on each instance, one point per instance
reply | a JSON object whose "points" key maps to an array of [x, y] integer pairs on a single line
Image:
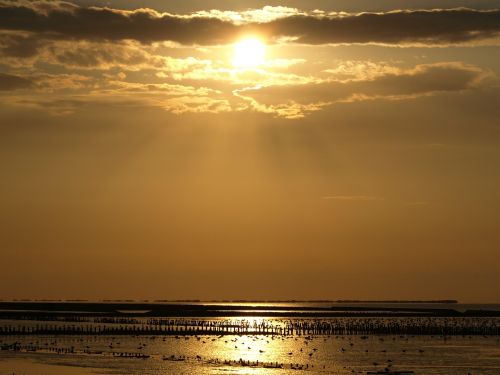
{"points": [[222, 355], [246, 354]]}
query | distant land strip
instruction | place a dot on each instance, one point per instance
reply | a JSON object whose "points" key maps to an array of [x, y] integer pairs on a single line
{"points": [[23, 310], [441, 301]]}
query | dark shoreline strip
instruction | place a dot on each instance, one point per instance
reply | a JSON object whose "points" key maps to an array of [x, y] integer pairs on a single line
{"points": [[200, 310]]}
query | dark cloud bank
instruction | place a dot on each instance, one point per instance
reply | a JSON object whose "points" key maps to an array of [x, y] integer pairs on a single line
{"points": [[10, 82], [70, 21]]}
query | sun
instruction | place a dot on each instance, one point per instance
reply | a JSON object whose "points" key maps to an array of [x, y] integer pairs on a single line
{"points": [[249, 53]]}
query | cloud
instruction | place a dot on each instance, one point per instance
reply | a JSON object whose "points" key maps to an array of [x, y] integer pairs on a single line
{"points": [[18, 44], [353, 198], [198, 104], [69, 21], [395, 83], [438, 26], [430, 27], [163, 89], [59, 105], [50, 83], [266, 14], [63, 94], [20, 50], [84, 54], [11, 82], [417, 203], [360, 70], [126, 55], [272, 93]]}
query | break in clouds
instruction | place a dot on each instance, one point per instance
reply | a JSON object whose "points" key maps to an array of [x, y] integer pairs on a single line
{"points": [[58, 56]]}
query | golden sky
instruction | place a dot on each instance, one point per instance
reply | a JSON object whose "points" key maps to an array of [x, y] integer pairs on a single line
{"points": [[250, 149]]}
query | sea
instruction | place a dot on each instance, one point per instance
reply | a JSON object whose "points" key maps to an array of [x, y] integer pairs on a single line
{"points": [[250, 353]]}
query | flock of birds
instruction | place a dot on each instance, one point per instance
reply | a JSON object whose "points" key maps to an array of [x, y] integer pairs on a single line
{"points": [[253, 349]]}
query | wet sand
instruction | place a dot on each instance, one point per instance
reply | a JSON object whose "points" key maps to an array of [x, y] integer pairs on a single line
{"points": [[27, 366]]}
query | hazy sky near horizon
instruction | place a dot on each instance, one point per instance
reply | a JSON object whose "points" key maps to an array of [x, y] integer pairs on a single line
{"points": [[359, 159]]}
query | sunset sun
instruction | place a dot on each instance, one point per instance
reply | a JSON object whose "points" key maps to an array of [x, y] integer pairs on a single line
{"points": [[249, 53]]}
